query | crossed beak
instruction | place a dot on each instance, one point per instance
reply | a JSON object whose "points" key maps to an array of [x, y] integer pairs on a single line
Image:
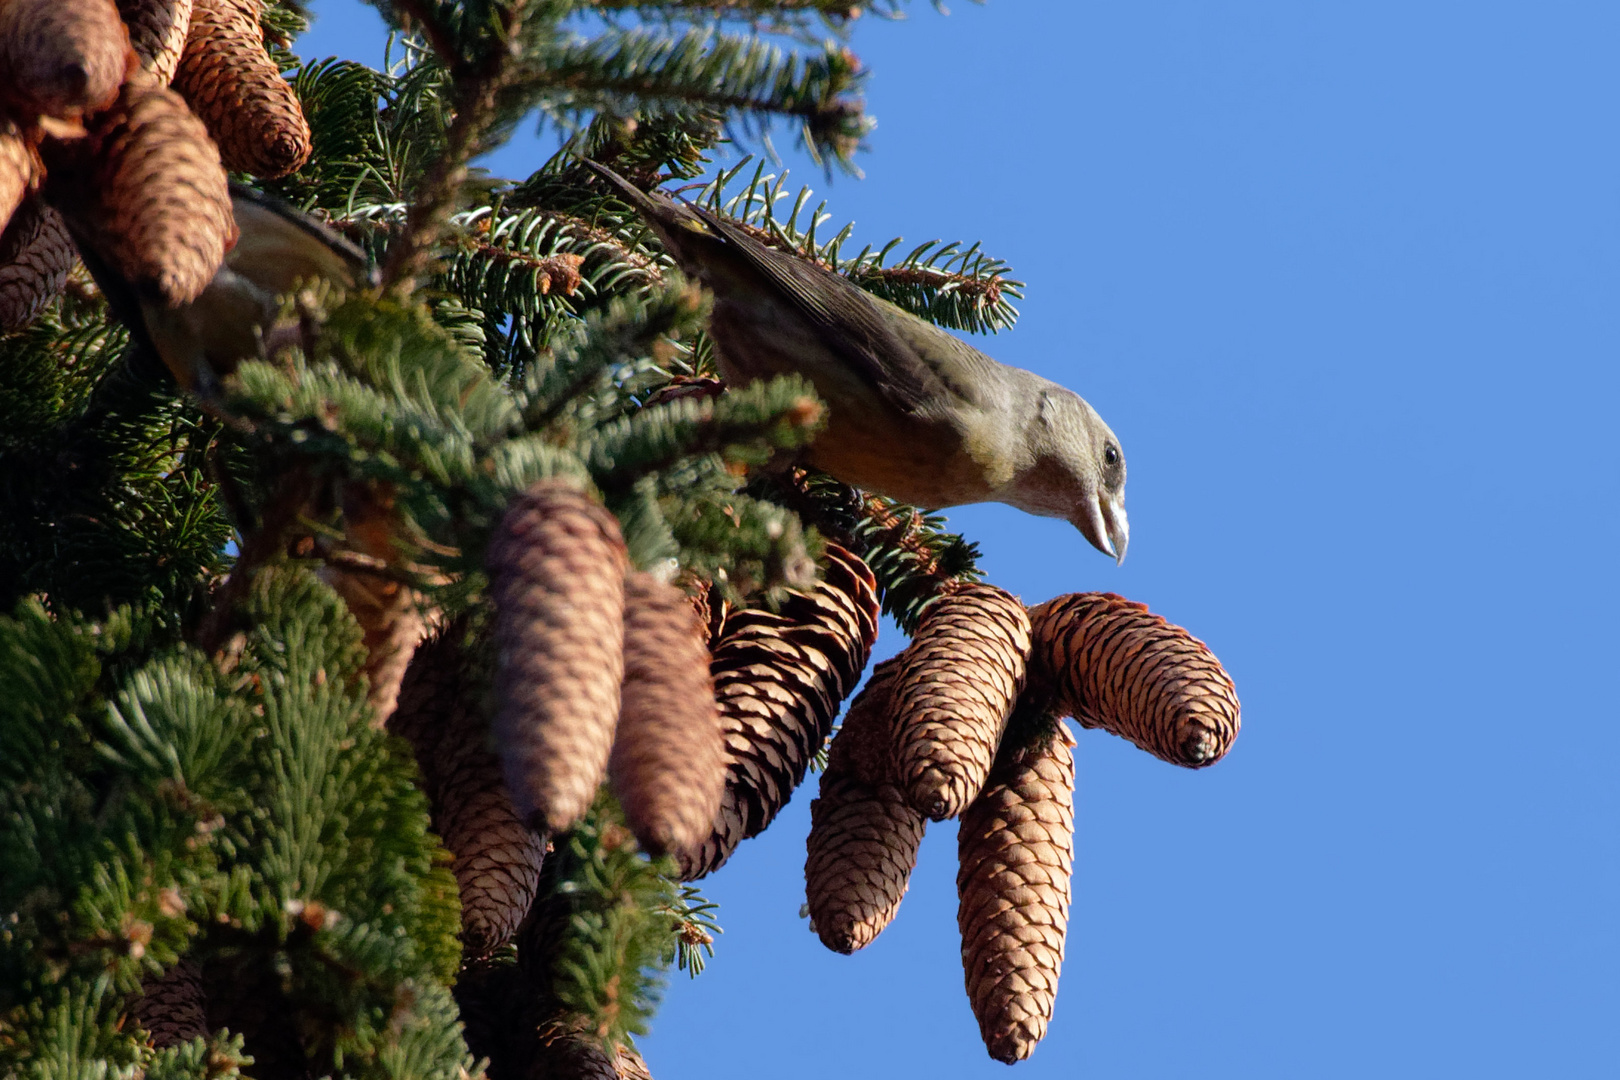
{"points": [[1101, 519]]}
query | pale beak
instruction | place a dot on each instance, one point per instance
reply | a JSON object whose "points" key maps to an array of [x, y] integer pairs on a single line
{"points": [[1102, 521]]}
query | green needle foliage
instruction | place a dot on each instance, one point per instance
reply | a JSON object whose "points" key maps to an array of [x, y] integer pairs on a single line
{"points": [[191, 764]]}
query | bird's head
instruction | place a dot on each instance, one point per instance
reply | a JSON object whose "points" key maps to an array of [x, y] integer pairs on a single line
{"points": [[1077, 471]]}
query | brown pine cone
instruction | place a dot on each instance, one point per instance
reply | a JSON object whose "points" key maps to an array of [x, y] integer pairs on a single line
{"points": [[147, 192], [1016, 850], [668, 765], [157, 32], [779, 680], [170, 1006], [556, 566], [497, 857], [565, 1050], [232, 83], [863, 835], [1111, 664], [36, 254], [957, 684], [19, 167], [61, 58]]}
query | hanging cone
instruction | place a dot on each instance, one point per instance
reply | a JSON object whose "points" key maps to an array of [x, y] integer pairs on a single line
{"points": [[157, 32], [564, 1050], [170, 1006], [863, 835], [36, 254], [957, 684], [1016, 851], [497, 857], [19, 167], [147, 194], [779, 680], [668, 764], [556, 566], [1114, 665], [232, 83], [61, 58]]}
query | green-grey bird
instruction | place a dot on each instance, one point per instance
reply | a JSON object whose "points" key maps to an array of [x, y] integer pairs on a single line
{"points": [[916, 413], [277, 247]]}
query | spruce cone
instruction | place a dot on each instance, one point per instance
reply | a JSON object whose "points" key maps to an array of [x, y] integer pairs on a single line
{"points": [[497, 857], [19, 167], [863, 835], [157, 32], [146, 191], [232, 83], [957, 684], [1113, 665], [668, 764], [36, 254], [61, 58], [556, 566], [170, 1008], [779, 680], [1016, 850], [565, 1051]]}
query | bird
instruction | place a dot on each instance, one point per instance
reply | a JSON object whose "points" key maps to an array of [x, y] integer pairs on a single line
{"points": [[914, 412], [277, 247]]}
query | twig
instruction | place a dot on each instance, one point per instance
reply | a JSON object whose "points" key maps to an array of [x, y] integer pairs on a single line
{"points": [[291, 494], [411, 256]]}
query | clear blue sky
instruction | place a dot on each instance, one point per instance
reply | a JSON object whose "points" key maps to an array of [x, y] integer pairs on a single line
{"points": [[1345, 279]]}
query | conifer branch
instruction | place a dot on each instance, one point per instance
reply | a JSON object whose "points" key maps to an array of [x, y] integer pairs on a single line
{"points": [[418, 17], [477, 95], [745, 78]]}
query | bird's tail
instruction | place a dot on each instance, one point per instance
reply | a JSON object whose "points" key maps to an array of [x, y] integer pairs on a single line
{"points": [[680, 225]]}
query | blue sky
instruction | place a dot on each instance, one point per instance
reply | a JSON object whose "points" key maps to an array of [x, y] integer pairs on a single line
{"points": [[1344, 279]]}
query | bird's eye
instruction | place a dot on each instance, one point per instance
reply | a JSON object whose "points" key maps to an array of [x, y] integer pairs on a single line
{"points": [[1110, 454]]}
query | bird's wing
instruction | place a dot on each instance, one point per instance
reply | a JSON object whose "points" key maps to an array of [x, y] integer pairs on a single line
{"points": [[850, 321], [907, 362], [279, 246]]}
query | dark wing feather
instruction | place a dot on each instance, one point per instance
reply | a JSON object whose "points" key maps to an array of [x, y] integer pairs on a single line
{"points": [[850, 322]]}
